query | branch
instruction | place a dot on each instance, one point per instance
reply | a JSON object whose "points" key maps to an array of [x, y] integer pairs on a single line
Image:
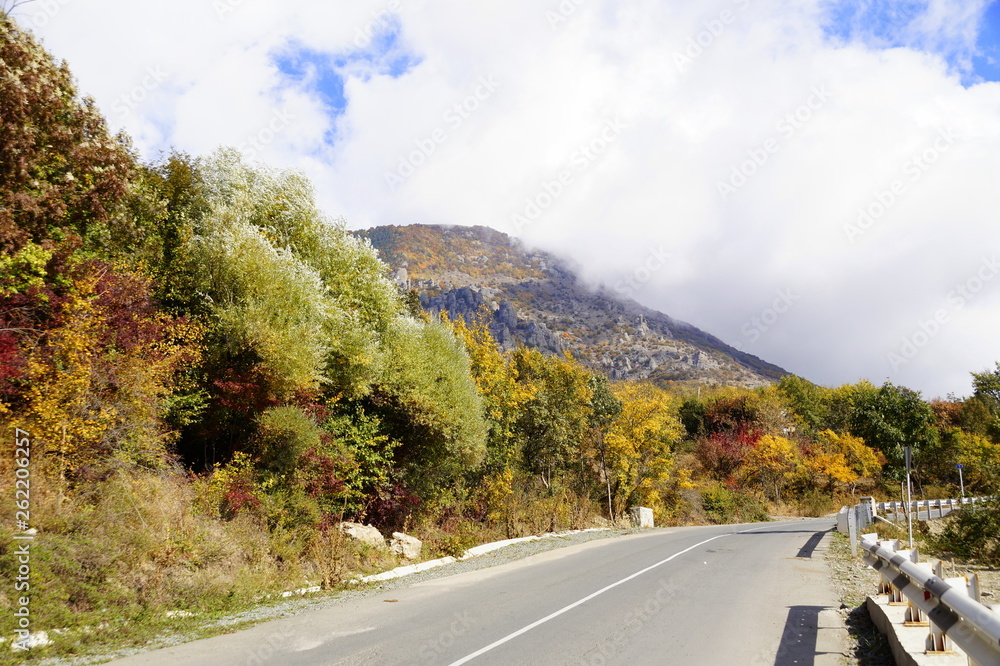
{"points": [[8, 6], [12, 330]]}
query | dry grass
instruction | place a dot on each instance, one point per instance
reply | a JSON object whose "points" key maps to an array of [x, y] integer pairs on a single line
{"points": [[126, 551]]}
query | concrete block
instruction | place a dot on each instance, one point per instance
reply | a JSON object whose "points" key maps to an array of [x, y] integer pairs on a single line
{"points": [[641, 516], [842, 521]]}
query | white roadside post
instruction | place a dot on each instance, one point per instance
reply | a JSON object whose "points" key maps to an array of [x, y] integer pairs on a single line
{"points": [[852, 529]]}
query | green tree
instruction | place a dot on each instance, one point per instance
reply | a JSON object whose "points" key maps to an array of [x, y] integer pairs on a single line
{"points": [[892, 418], [806, 401], [605, 408], [986, 387], [555, 420], [430, 403]]}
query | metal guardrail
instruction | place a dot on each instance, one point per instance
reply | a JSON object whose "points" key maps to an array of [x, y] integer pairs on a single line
{"points": [[853, 520], [916, 506], [950, 608]]}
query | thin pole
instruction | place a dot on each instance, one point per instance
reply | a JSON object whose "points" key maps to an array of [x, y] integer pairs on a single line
{"points": [[909, 490]]}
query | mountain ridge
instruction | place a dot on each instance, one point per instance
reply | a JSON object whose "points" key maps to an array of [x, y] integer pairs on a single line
{"points": [[535, 298]]}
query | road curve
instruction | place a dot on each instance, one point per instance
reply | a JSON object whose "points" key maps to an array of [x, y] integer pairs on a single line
{"points": [[745, 594]]}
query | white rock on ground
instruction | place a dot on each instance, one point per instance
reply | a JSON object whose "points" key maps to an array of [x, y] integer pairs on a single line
{"points": [[36, 639], [365, 534], [406, 546]]}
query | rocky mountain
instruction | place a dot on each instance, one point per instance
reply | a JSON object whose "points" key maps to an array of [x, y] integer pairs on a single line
{"points": [[534, 298]]}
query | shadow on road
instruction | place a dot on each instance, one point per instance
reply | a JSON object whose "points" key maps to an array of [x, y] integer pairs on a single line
{"points": [[809, 546], [798, 640]]}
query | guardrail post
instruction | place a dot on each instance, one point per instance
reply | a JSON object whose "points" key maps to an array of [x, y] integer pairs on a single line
{"points": [[915, 617], [938, 640], [868, 507], [896, 594], [887, 588]]}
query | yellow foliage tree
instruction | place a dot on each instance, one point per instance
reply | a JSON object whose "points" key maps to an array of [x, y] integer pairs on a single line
{"points": [[831, 467], [846, 458], [638, 446], [504, 393], [980, 459], [771, 464]]}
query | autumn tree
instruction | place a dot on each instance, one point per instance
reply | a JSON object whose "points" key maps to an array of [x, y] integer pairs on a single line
{"points": [[640, 440], [835, 458], [502, 392], [60, 171], [771, 464], [94, 366]]}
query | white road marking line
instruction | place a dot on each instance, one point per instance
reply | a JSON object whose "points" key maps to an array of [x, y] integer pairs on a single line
{"points": [[581, 601], [598, 593]]}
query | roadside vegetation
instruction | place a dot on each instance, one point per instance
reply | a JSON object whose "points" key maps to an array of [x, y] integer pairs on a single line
{"points": [[213, 375]]}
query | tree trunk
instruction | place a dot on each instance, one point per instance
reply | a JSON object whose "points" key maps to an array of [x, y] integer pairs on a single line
{"points": [[607, 482]]}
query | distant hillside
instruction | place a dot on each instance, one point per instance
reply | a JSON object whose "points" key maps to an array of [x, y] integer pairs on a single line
{"points": [[535, 299]]}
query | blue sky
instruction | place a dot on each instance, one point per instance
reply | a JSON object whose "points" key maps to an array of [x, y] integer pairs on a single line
{"points": [[987, 61], [889, 24], [324, 73]]}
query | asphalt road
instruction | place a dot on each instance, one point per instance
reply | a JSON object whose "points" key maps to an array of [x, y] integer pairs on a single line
{"points": [[747, 594]]}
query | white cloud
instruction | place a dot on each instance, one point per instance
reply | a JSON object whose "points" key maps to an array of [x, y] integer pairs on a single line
{"points": [[654, 184]]}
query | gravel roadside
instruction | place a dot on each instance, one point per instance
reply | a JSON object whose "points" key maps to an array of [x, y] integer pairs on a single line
{"points": [[854, 581]]}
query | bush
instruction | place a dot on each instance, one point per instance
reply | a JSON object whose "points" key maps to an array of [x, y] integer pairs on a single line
{"points": [[283, 435], [972, 534], [815, 503], [726, 506]]}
